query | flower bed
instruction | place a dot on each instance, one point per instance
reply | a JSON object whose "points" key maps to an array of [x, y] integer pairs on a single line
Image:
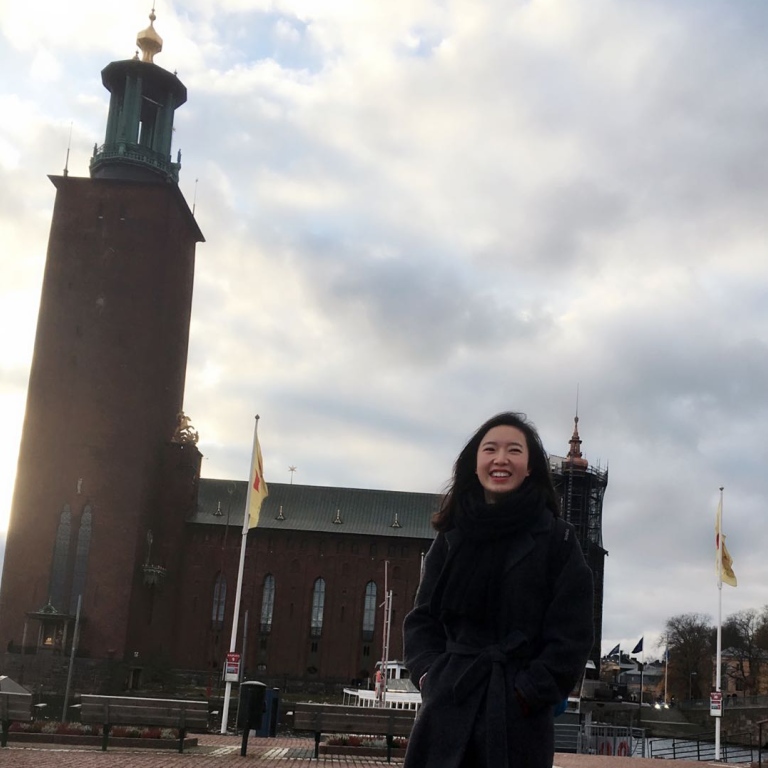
{"points": [[77, 734], [363, 746]]}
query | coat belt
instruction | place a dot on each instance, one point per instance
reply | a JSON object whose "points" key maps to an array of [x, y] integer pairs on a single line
{"points": [[488, 668]]}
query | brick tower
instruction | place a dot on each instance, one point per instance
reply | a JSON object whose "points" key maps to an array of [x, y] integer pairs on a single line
{"points": [[98, 459]]}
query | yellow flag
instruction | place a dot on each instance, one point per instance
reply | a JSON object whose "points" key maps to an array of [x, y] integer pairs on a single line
{"points": [[723, 561], [259, 490]]}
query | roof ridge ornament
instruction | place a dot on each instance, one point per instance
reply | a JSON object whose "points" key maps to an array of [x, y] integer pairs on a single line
{"points": [[148, 40]]}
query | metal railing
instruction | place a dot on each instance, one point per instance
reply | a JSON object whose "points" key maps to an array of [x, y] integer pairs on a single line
{"points": [[568, 737], [613, 740], [138, 154], [701, 748], [729, 702]]}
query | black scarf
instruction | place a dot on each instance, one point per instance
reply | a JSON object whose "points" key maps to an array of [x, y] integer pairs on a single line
{"points": [[470, 581]]}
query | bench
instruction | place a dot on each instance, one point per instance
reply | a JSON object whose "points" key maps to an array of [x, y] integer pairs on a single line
{"points": [[107, 711], [333, 718], [14, 707]]}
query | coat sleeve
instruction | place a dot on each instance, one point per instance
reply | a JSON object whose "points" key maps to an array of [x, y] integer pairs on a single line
{"points": [[567, 635], [423, 633]]}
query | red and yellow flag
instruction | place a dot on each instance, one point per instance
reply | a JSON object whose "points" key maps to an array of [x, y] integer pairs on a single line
{"points": [[723, 561], [259, 490]]}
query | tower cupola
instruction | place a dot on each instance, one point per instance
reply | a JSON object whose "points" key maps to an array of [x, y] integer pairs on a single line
{"points": [[137, 144]]}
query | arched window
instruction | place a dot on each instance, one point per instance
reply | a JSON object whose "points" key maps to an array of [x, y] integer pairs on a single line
{"points": [[267, 603], [60, 559], [369, 611], [219, 601], [81, 557], [318, 604]]}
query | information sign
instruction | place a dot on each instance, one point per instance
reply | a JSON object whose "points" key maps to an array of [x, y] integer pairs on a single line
{"points": [[716, 703], [232, 668]]}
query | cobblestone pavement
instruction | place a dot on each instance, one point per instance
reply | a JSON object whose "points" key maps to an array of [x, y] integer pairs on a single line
{"points": [[216, 751]]}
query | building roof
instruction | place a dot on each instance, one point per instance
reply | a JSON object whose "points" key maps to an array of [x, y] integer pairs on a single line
{"points": [[292, 507]]}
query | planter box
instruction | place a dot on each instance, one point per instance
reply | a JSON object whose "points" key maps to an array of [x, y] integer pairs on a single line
{"points": [[95, 741], [339, 749]]}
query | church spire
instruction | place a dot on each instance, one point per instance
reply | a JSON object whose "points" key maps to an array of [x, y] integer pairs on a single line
{"points": [[574, 457]]}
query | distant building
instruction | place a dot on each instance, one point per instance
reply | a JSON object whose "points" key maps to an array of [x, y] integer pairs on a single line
{"points": [[743, 673], [651, 677]]}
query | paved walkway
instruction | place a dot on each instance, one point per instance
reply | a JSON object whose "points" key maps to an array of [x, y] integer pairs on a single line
{"points": [[215, 751]]}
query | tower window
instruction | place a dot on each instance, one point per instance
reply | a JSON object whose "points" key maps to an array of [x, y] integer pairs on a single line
{"points": [[81, 557], [60, 560]]}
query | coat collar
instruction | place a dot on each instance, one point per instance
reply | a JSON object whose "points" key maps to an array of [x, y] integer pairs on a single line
{"points": [[519, 546]]}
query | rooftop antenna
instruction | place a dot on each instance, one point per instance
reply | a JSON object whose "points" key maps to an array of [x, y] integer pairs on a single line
{"points": [[69, 144], [194, 198], [291, 470]]}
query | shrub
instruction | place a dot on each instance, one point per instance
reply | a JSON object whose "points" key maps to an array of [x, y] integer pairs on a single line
{"points": [[78, 729], [345, 740]]}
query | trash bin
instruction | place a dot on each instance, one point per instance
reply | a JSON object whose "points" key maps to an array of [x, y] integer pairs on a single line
{"points": [[251, 709], [269, 719]]}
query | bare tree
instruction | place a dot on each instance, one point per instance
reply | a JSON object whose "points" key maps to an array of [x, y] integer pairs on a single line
{"points": [[690, 638], [744, 652]]}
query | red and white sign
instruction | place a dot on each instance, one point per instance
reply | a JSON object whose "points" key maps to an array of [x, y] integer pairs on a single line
{"points": [[716, 703], [608, 745], [232, 668]]}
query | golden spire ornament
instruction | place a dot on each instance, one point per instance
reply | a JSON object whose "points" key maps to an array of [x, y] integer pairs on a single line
{"points": [[148, 40]]}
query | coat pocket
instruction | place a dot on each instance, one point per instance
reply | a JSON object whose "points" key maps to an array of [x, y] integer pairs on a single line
{"points": [[432, 680]]}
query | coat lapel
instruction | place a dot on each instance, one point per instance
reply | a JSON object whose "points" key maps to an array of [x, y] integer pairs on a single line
{"points": [[523, 545], [520, 546]]}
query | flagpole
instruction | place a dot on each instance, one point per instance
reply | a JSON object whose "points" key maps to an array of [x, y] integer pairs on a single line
{"points": [[718, 680], [241, 567]]}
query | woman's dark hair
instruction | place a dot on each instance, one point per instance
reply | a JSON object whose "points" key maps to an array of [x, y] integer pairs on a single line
{"points": [[465, 479]]}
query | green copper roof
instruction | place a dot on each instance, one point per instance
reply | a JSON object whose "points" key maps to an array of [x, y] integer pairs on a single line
{"points": [[316, 508]]}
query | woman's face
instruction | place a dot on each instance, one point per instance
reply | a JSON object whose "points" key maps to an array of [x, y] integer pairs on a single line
{"points": [[502, 461]]}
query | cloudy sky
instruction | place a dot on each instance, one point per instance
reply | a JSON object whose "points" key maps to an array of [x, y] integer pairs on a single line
{"points": [[421, 212]]}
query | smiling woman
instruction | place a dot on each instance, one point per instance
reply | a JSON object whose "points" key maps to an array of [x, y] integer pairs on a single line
{"points": [[502, 625], [502, 461]]}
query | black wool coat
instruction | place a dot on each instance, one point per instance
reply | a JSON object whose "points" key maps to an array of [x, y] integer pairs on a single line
{"points": [[490, 691]]}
